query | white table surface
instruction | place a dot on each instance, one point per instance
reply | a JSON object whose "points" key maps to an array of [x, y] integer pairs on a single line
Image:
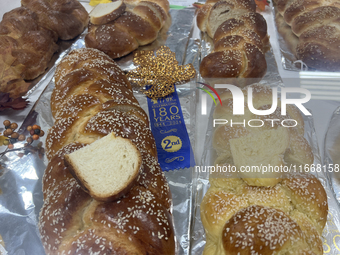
{"points": [[322, 109]]}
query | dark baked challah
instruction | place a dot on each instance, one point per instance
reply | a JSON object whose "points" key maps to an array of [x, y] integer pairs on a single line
{"points": [[28, 37]]}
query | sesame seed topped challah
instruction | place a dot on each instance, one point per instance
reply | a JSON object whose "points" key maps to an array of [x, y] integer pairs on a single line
{"points": [[269, 212], [285, 219], [93, 98], [136, 26], [239, 37], [316, 26]]}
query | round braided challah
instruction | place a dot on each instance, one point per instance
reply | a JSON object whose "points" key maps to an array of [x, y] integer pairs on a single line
{"points": [[285, 219], [240, 41], [137, 26], [246, 211], [90, 102], [316, 24]]}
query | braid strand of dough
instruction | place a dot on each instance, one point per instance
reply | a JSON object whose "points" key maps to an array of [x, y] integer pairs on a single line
{"points": [[91, 99]]}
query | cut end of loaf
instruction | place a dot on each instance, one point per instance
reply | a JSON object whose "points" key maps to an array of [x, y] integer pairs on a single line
{"points": [[104, 13], [107, 168]]}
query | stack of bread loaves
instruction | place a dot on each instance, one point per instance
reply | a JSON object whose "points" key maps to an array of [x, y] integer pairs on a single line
{"points": [[314, 31], [120, 27], [28, 37], [261, 213], [240, 40], [92, 99]]}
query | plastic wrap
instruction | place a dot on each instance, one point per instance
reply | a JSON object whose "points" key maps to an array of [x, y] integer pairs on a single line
{"points": [[287, 48], [331, 233], [332, 152]]}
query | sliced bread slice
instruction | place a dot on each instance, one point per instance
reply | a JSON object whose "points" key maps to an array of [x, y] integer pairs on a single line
{"points": [[104, 13], [107, 168]]}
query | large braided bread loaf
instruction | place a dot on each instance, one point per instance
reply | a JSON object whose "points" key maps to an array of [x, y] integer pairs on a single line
{"points": [[240, 40], [262, 212], [138, 25], [316, 24], [91, 99], [28, 37]]}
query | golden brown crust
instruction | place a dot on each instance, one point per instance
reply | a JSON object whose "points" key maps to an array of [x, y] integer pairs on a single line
{"points": [[208, 21], [315, 23], [26, 49], [67, 18], [110, 38], [263, 230], [315, 17], [244, 212], [56, 171], [143, 33], [318, 48], [244, 61], [90, 60], [309, 197], [74, 84], [71, 221], [240, 40], [97, 221], [137, 26], [235, 216]]}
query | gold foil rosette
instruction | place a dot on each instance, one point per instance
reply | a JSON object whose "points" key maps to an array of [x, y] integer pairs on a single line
{"points": [[161, 71]]}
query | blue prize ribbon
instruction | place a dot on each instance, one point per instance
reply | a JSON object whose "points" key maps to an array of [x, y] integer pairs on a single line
{"points": [[168, 127]]}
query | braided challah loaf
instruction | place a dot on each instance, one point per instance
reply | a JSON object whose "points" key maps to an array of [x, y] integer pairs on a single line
{"points": [[257, 211], [240, 40], [28, 37], [137, 26], [285, 219], [98, 100], [316, 24]]}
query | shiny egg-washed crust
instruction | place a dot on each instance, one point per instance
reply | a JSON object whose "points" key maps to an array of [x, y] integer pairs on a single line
{"points": [[34, 45], [71, 221], [140, 221], [316, 24], [286, 219], [90, 60], [28, 37], [139, 25], [66, 18], [91, 125], [240, 41]]}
